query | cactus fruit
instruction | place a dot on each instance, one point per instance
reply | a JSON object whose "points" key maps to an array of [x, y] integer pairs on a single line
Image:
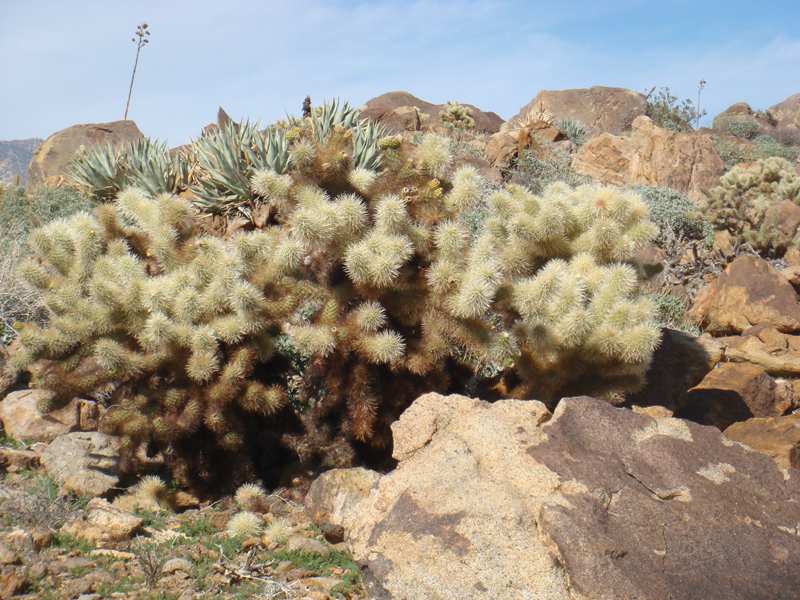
{"points": [[745, 204]]}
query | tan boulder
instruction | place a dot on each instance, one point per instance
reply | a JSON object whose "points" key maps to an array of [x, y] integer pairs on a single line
{"points": [[86, 462], [485, 122], [786, 115], [23, 421], [653, 156], [749, 292], [504, 500], [778, 437], [735, 392], [334, 498], [49, 163], [600, 109]]}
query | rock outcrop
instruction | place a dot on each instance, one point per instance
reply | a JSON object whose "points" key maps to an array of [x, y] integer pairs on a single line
{"points": [[600, 109], [653, 156], [386, 104], [778, 437], [786, 114], [506, 501], [86, 462], [49, 163], [749, 292]]}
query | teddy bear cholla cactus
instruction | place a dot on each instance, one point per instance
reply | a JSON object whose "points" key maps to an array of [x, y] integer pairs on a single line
{"points": [[171, 325], [457, 115], [745, 203], [427, 275]]}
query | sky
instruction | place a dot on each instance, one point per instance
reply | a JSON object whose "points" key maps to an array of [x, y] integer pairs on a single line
{"points": [[66, 63]]}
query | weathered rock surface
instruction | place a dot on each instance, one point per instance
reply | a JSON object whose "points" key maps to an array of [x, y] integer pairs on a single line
{"points": [[504, 148], [87, 462], [600, 109], [735, 392], [8, 373], [485, 122], [22, 419], [502, 501], [749, 292], [786, 114], [118, 525], [777, 353], [49, 163], [653, 156], [15, 156], [777, 437], [335, 498]]}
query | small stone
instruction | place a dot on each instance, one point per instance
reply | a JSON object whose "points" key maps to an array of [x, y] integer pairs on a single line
{"points": [[75, 588], [283, 566], [73, 562], [293, 574], [8, 557], [89, 597], [39, 570], [304, 544], [177, 564], [118, 554]]}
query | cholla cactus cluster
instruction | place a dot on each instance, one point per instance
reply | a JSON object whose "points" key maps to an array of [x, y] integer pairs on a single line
{"points": [[745, 203], [390, 270], [167, 325], [457, 115]]}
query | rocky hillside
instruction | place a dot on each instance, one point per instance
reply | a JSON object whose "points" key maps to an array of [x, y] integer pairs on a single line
{"points": [[15, 156]]}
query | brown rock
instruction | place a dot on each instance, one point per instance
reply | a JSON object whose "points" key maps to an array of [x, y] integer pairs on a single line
{"points": [[786, 217], [14, 461], [653, 156], [485, 122], [679, 363], [50, 161], [600, 109], [7, 557], [777, 437], [792, 274], [749, 292], [501, 150], [735, 392], [577, 504], [778, 354]]}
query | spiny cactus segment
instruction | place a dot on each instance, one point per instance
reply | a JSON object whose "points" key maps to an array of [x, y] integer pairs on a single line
{"points": [[457, 115]]}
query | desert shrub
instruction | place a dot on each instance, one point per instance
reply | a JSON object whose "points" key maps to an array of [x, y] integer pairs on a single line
{"points": [[388, 282], [745, 204], [666, 111], [764, 146], [788, 136], [742, 126], [536, 174], [669, 209], [574, 130]]}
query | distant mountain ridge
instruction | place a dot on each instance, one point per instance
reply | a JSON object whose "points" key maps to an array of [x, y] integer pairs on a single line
{"points": [[15, 156]]}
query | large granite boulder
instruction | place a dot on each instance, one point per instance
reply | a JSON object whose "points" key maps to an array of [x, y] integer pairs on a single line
{"points": [[749, 292], [485, 122], [49, 163], [654, 156], [600, 109], [507, 501], [22, 418]]}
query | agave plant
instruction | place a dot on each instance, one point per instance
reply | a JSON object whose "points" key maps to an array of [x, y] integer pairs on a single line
{"points": [[99, 169], [150, 166], [326, 116], [227, 159]]}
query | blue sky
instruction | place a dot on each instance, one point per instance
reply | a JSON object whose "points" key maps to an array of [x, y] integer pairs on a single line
{"points": [[65, 63]]}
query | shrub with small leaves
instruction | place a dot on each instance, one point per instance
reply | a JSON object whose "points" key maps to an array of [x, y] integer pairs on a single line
{"points": [[669, 209], [740, 125], [536, 174]]}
